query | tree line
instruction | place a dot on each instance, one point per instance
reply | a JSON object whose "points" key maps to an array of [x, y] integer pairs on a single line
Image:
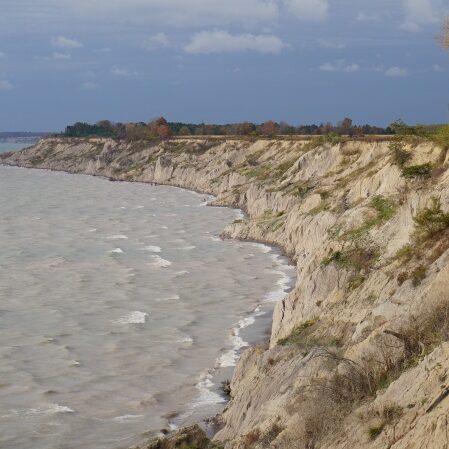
{"points": [[161, 128]]}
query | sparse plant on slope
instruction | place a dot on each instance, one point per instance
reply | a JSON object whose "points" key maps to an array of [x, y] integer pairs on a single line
{"points": [[417, 171], [400, 155], [430, 221]]}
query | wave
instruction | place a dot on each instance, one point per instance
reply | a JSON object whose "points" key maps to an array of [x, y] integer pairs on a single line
{"points": [[153, 249], [133, 318], [127, 418], [116, 251], [118, 237], [171, 298], [158, 262]]}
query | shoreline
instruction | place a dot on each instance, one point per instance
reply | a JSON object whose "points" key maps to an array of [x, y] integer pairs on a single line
{"points": [[229, 358]]}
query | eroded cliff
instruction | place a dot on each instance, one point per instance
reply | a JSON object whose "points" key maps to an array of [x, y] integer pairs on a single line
{"points": [[359, 350]]}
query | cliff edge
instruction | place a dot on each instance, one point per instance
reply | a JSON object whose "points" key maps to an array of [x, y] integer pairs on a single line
{"points": [[359, 351]]}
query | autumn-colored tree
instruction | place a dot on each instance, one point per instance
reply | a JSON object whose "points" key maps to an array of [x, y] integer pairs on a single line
{"points": [[246, 128], [164, 131], [444, 37], [268, 128]]}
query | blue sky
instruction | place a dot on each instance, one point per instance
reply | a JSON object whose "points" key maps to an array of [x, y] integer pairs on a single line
{"points": [[300, 61]]}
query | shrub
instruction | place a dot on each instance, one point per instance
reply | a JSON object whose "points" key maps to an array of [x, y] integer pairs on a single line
{"points": [[441, 137], [252, 437], [418, 275], [417, 171], [385, 210], [357, 258], [400, 155], [375, 431], [430, 221], [296, 334]]}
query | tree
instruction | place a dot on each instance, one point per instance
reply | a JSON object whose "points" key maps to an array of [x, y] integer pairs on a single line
{"points": [[444, 37], [185, 131], [268, 128], [164, 131]]}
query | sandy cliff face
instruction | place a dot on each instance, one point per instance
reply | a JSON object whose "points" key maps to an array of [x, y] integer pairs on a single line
{"points": [[358, 355]]}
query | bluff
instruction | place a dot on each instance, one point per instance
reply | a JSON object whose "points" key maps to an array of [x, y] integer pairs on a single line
{"points": [[359, 350]]}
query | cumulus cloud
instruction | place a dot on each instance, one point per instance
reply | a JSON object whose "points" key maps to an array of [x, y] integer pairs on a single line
{"points": [[396, 72], [207, 42], [121, 72], [5, 85], [156, 42], [65, 42], [61, 56], [339, 66], [419, 13], [313, 10], [331, 44]]}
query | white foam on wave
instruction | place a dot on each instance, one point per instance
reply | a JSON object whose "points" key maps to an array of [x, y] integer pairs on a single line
{"points": [[188, 340], [182, 273], [164, 227], [264, 248], [139, 207], [93, 230], [153, 249], [207, 396], [186, 248], [171, 298], [215, 238], [116, 251], [133, 318], [158, 262], [127, 418], [118, 237], [51, 409], [280, 292]]}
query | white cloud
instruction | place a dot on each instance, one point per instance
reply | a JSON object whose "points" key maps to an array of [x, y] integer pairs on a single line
{"points": [[313, 10], [89, 85], [61, 56], [177, 12], [120, 72], [156, 42], [339, 66], [363, 16], [207, 42], [65, 42], [2, 55], [421, 12], [396, 72], [331, 44], [5, 85]]}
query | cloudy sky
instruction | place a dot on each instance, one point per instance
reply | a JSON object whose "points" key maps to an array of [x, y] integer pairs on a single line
{"points": [[300, 61]]}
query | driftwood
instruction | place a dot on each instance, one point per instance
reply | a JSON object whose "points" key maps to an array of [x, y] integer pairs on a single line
{"points": [[410, 346], [444, 394]]}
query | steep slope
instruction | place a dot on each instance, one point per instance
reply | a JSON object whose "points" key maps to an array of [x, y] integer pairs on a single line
{"points": [[358, 355]]}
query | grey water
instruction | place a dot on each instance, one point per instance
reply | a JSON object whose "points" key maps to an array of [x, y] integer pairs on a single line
{"points": [[120, 308], [5, 147]]}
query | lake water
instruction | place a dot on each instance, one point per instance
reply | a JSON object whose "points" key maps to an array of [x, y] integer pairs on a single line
{"points": [[121, 310], [5, 147]]}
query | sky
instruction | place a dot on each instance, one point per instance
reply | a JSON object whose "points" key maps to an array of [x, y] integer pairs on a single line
{"points": [[221, 61]]}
